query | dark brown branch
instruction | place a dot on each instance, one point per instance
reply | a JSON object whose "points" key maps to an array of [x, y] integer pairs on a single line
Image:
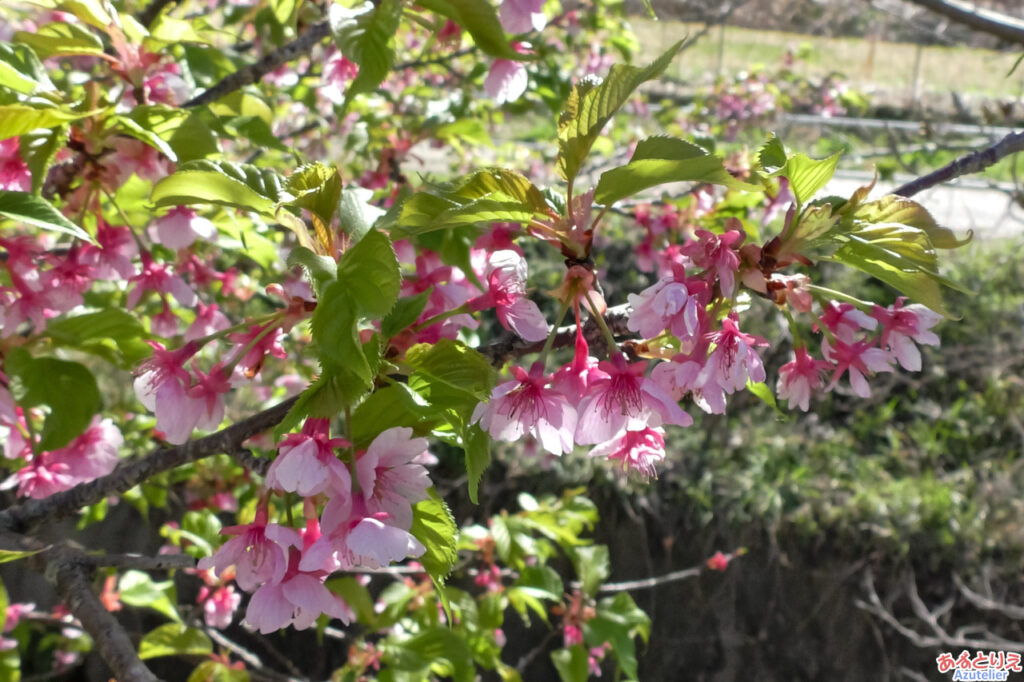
{"points": [[255, 72], [164, 562], [988, 21], [71, 579], [974, 162], [130, 474]]}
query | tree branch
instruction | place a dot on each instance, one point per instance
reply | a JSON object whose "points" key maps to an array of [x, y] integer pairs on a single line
{"points": [[974, 162], [71, 581], [988, 21], [253, 73], [164, 562], [129, 474]]}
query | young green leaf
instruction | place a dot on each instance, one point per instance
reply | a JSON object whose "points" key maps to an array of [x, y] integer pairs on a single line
{"points": [[476, 444], [38, 149], [591, 107], [433, 525], [572, 663], [406, 311], [370, 274], [174, 639], [807, 176], [593, 565], [21, 70], [38, 212], [61, 40], [662, 159], [366, 35], [67, 388], [356, 212], [618, 621]]}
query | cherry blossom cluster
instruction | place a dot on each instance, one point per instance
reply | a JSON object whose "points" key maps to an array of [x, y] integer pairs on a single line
{"points": [[365, 500]]}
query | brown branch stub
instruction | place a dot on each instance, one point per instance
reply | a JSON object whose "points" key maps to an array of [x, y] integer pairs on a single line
{"points": [[253, 73], [131, 473], [974, 162]]}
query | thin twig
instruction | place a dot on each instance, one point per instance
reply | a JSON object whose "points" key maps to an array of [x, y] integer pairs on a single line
{"points": [[165, 562], [649, 583], [131, 473], [974, 162], [253, 73]]}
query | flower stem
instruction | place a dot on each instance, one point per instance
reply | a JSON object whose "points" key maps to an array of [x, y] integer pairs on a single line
{"points": [[549, 344], [440, 317], [839, 296], [608, 336]]}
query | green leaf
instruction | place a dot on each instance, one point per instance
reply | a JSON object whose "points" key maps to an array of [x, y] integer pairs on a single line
{"points": [[355, 595], [370, 274], [406, 311], [37, 212], [67, 388], [21, 70], [893, 209], [285, 11], [174, 639], [572, 664], [434, 649], [618, 620], [137, 589], [807, 176], [765, 395], [128, 126], [316, 188], [662, 159], [322, 270], [61, 40], [336, 333], [590, 107], [918, 285], [424, 212], [433, 525], [7, 555], [38, 149], [220, 182], [115, 324], [394, 405], [356, 213], [476, 444], [215, 671], [504, 182], [481, 21], [542, 582], [167, 29], [449, 374], [593, 565], [772, 154], [365, 34]]}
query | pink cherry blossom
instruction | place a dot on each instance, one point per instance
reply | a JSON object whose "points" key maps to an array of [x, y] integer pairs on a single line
{"points": [[844, 320], [573, 380], [183, 407], [14, 173], [257, 557], [528, 405], [219, 605], [902, 326], [298, 599], [716, 253], [388, 478], [522, 16], [637, 451], [352, 538], [625, 400], [307, 463], [209, 320], [158, 278], [164, 323], [506, 81], [667, 304], [181, 226], [262, 342], [857, 359], [162, 367], [89, 456], [799, 378], [113, 254], [733, 361], [506, 281], [683, 375]]}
